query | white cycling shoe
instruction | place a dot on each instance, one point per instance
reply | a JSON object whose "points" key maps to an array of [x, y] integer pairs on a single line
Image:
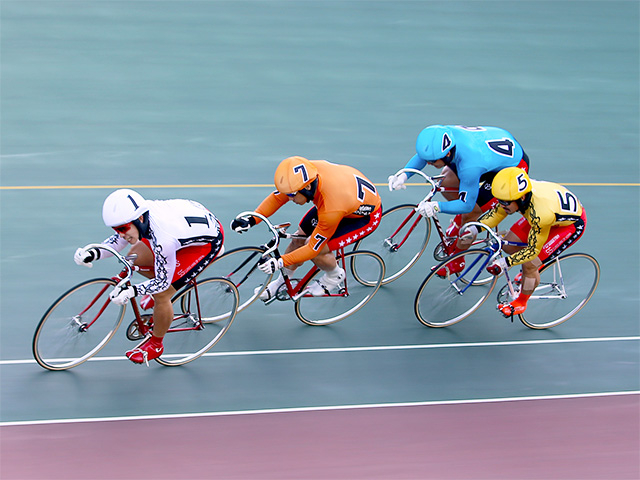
{"points": [[325, 284], [269, 292]]}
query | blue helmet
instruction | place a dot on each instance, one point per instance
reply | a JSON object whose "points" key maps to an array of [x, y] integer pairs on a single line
{"points": [[434, 143]]}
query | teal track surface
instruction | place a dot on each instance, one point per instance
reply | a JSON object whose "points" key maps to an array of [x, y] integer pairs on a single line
{"points": [[202, 99]]}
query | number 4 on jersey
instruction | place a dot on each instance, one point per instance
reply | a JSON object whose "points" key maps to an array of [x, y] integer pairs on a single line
{"points": [[503, 146]]}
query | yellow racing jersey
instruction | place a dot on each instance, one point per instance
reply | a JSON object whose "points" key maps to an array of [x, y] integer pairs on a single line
{"points": [[342, 192], [551, 205]]}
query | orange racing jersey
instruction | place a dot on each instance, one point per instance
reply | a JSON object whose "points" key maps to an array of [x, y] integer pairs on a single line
{"points": [[342, 192]]}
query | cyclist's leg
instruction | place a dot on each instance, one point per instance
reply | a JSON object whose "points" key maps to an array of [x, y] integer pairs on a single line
{"points": [[561, 237], [193, 260], [144, 257], [272, 288], [348, 231]]}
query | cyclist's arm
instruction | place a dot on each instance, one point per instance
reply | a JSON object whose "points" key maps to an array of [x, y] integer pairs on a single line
{"points": [[467, 193], [416, 163], [491, 218], [115, 242], [327, 225], [271, 204], [538, 236], [164, 267]]}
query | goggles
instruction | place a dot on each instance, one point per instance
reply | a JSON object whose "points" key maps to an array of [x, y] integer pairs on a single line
{"points": [[291, 195], [123, 228], [505, 203]]}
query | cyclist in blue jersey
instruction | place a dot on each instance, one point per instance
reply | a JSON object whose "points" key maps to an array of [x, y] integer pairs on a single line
{"points": [[470, 157]]}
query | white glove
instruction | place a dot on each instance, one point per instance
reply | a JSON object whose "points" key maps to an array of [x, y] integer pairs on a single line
{"points": [[396, 182], [84, 256], [428, 209], [270, 265], [468, 234], [498, 266], [121, 295]]}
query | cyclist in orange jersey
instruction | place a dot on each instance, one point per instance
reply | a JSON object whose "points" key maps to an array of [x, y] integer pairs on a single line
{"points": [[346, 208]]}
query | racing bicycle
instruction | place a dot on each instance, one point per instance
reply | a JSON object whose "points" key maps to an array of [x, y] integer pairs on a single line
{"points": [[403, 234], [241, 267], [84, 319], [567, 283]]}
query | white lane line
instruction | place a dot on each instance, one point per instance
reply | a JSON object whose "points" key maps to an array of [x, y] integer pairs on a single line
{"points": [[372, 348], [317, 409]]}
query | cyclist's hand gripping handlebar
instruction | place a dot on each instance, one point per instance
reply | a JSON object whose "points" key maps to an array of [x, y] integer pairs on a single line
{"points": [[434, 182]]}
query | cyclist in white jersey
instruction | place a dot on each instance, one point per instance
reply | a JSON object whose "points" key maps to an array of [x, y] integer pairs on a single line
{"points": [[178, 238]]}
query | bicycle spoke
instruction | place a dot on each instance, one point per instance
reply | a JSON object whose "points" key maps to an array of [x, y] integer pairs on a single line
{"points": [[399, 240], [566, 286], [202, 315], [350, 297], [77, 326], [441, 302]]}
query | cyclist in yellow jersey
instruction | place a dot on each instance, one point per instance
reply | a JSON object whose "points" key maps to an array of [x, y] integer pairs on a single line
{"points": [[346, 208], [553, 219]]}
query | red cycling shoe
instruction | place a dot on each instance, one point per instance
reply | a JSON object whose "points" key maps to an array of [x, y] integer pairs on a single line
{"points": [[455, 266], [149, 349], [509, 310]]}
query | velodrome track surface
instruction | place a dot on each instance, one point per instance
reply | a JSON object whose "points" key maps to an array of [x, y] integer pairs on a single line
{"points": [[201, 100]]}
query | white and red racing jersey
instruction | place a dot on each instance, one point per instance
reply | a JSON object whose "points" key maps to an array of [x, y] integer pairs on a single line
{"points": [[173, 225]]}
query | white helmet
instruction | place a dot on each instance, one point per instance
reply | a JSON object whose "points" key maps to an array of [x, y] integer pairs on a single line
{"points": [[123, 206]]}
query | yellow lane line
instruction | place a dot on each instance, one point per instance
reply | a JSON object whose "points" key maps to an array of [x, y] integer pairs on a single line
{"points": [[111, 187]]}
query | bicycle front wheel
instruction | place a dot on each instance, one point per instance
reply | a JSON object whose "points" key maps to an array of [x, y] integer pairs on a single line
{"points": [[399, 240], [566, 285], [352, 294], [240, 265], [203, 313], [441, 302], [77, 326]]}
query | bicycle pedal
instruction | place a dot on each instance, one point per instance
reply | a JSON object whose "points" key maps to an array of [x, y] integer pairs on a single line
{"points": [[133, 330], [282, 294]]}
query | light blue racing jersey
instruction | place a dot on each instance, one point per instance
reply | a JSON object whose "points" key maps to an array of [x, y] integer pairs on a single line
{"points": [[478, 150]]}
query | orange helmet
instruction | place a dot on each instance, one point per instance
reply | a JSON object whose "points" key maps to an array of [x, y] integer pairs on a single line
{"points": [[294, 174]]}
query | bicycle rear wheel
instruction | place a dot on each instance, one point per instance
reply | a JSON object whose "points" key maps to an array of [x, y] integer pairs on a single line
{"points": [[192, 334], [388, 240], [441, 302], [566, 285], [240, 265], [352, 294], [77, 325]]}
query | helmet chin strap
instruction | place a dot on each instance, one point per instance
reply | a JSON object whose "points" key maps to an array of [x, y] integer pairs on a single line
{"points": [[449, 156], [142, 226], [310, 191], [524, 202]]}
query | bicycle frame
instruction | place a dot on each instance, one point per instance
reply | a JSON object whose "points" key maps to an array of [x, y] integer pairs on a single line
{"points": [[448, 243], [279, 232], [124, 277]]}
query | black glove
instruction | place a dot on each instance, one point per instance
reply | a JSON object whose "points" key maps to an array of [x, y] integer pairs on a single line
{"points": [[242, 224]]}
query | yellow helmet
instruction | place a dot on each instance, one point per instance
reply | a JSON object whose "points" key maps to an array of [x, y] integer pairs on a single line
{"points": [[294, 174], [510, 184]]}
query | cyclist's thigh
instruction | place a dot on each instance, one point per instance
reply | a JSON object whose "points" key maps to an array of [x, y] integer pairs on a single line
{"points": [[352, 229], [561, 238], [519, 233], [144, 254], [192, 261]]}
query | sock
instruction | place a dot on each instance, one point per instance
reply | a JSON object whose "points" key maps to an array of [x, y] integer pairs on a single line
{"points": [[155, 340], [286, 271], [521, 301], [333, 273]]}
